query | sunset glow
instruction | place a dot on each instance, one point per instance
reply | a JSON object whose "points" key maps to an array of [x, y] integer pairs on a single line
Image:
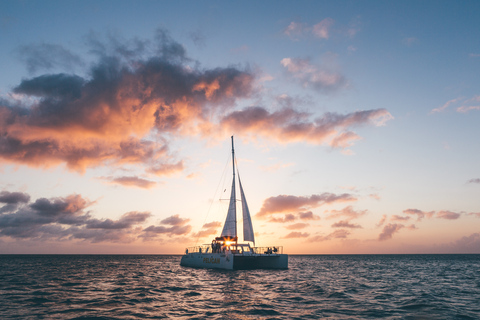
{"points": [[356, 125]]}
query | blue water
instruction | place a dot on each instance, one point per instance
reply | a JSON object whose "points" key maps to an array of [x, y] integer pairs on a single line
{"points": [[156, 287]]}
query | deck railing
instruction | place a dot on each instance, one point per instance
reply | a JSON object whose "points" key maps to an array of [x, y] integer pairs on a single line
{"points": [[257, 250], [268, 250]]}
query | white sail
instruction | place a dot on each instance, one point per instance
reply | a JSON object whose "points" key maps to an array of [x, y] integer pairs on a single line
{"points": [[230, 226], [247, 220]]}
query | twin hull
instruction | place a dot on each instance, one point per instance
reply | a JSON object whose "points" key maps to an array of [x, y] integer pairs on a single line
{"points": [[232, 261]]}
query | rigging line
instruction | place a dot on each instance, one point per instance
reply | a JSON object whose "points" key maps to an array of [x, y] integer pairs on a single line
{"points": [[214, 196]]}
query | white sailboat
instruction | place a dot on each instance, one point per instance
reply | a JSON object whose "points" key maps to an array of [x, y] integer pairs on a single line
{"points": [[225, 252]]}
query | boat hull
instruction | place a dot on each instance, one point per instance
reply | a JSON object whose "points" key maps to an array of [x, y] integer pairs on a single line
{"points": [[234, 261]]}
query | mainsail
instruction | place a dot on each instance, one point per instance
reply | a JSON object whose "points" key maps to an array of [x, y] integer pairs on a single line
{"points": [[247, 221], [230, 226]]}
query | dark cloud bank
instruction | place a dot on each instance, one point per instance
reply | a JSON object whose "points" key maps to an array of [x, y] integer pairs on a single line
{"points": [[66, 218]]}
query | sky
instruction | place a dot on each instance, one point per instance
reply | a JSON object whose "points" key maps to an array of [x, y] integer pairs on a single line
{"points": [[356, 125]]}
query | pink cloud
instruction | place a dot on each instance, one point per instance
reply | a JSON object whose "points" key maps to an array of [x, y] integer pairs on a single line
{"points": [[346, 224], [399, 218], [208, 229], [131, 181], [337, 234], [382, 220], [389, 230], [310, 76], [308, 215], [446, 105], [289, 125], [419, 213], [322, 29], [296, 234], [297, 226], [449, 215], [444, 214], [348, 212], [286, 218], [290, 203]]}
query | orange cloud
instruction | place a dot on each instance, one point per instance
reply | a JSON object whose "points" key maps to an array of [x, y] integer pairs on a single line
{"points": [[297, 226], [109, 117], [131, 182]]}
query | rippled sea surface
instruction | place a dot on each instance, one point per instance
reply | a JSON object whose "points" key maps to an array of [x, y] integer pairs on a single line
{"points": [[314, 287]]}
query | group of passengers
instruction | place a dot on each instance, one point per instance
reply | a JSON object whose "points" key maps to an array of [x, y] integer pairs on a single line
{"points": [[216, 247]]}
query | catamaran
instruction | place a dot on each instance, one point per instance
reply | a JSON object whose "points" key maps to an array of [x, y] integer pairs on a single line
{"points": [[225, 252]]}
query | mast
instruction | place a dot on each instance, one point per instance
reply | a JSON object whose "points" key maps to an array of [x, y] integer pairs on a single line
{"points": [[234, 194], [230, 226]]}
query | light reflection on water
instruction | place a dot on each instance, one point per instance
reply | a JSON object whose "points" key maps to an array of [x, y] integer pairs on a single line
{"points": [[155, 287]]}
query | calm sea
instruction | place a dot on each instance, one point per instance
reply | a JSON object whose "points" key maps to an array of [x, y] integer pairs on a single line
{"points": [[156, 287]]}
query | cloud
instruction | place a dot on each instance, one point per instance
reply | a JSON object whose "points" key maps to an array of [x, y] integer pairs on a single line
{"points": [[466, 109], [46, 56], [389, 230], [382, 221], [296, 234], [290, 203], [348, 212], [449, 215], [466, 244], [346, 224], [466, 106], [321, 30], [14, 197], [208, 229], [127, 220], [198, 38], [64, 219], [175, 226], [297, 226], [288, 125], [444, 214], [399, 218], [308, 215], [135, 97], [139, 95], [476, 214], [419, 213], [445, 106], [289, 217], [310, 76], [470, 104], [294, 30], [166, 169], [297, 30], [337, 234], [174, 220], [131, 181]]}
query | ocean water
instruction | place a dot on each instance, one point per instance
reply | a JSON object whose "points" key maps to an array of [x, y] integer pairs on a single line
{"points": [[314, 287]]}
